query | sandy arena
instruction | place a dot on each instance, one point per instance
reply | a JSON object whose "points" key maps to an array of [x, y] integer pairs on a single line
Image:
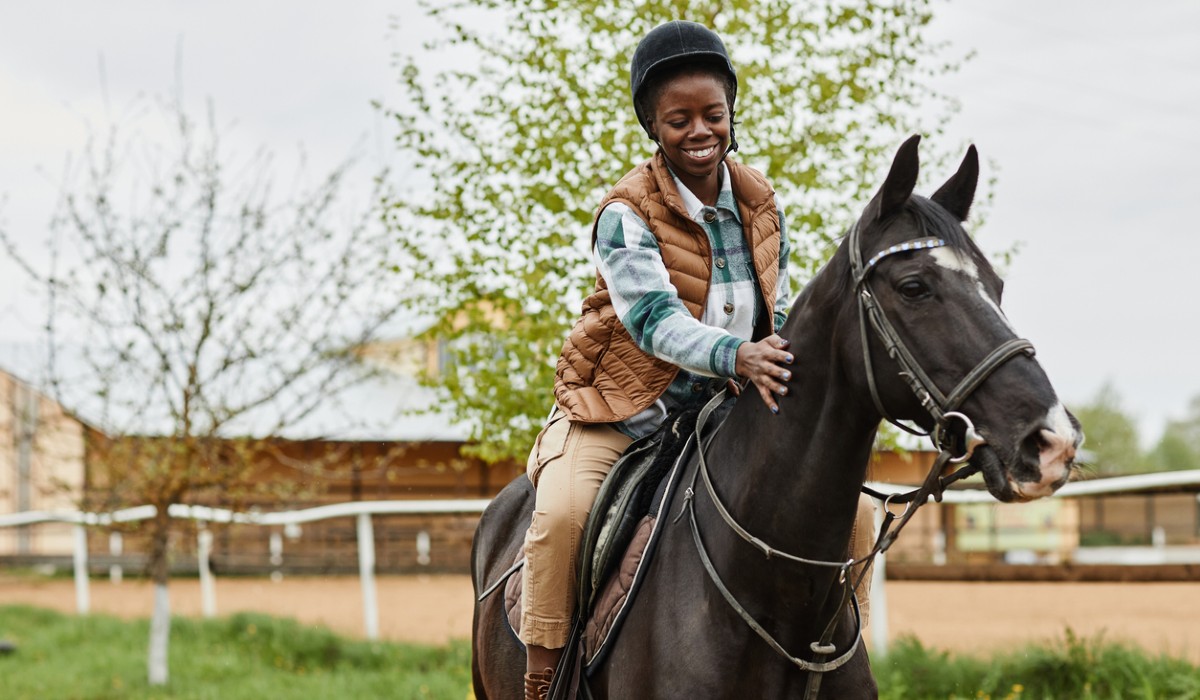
{"points": [[1159, 617]]}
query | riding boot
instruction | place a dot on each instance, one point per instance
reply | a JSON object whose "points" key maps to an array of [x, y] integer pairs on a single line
{"points": [[537, 685]]}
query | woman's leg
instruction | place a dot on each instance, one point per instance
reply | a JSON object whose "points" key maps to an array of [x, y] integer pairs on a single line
{"points": [[567, 466]]}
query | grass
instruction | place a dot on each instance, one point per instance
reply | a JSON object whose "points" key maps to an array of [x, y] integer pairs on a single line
{"points": [[1073, 667], [257, 656], [244, 656]]}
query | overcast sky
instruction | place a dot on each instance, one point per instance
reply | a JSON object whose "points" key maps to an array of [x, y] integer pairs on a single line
{"points": [[1088, 110]]}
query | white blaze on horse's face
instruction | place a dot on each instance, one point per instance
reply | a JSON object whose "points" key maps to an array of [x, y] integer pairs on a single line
{"points": [[1059, 440], [951, 259]]}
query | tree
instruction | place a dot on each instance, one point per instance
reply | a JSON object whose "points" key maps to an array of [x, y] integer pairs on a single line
{"points": [[195, 313], [1112, 435], [1179, 446], [512, 155]]}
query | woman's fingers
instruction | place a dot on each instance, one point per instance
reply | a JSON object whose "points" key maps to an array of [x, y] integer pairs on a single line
{"points": [[765, 364], [768, 399]]}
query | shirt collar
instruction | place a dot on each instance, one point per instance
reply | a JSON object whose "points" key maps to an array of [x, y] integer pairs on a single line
{"points": [[695, 208]]}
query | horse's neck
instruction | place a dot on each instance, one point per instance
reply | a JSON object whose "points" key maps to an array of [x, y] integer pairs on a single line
{"points": [[795, 477]]}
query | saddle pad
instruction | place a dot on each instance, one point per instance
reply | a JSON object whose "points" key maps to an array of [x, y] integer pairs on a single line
{"points": [[615, 595], [611, 606], [607, 608]]}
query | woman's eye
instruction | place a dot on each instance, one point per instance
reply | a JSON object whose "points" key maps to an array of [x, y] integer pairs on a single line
{"points": [[912, 289], [677, 125]]}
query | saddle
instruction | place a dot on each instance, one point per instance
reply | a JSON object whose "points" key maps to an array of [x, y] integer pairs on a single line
{"points": [[618, 542]]}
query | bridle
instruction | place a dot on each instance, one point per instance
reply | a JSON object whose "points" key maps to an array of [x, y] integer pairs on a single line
{"points": [[951, 449]]}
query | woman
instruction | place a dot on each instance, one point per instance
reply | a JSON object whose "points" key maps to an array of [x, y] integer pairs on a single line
{"points": [[691, 254]]}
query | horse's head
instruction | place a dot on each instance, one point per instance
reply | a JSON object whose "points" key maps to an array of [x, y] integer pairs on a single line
{"points": [[939, 298]]}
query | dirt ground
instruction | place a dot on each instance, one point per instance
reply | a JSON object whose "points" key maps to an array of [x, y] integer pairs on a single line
{"points": [[1159, 617]]}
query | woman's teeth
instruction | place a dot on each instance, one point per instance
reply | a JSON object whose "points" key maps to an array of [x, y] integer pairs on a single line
{"points": [[702, 153]]}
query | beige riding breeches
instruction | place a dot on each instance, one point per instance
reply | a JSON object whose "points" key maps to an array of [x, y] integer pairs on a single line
{"points": [[567, 465]]}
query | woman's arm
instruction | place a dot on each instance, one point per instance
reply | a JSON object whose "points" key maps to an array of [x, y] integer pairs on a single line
{"points": [[648, 305]]}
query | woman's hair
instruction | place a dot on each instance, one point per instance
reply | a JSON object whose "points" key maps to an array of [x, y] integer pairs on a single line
{"points": [[648, 96]]}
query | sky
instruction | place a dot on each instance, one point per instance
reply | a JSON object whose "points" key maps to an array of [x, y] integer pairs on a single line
{"points": [[1085, 112]]}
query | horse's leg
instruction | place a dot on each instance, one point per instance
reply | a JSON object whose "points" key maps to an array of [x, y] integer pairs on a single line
{"points": [[497, 658]]}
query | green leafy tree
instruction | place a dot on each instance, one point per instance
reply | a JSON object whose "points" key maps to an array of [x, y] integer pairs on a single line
{"points": [[510, 157], [1179, 446], [1112, 435]]}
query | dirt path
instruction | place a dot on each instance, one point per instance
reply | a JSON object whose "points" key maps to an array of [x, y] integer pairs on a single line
{"points": [[1160, 617]]}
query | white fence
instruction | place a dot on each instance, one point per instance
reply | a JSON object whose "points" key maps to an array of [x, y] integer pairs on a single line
{"points": [[363, 510]]}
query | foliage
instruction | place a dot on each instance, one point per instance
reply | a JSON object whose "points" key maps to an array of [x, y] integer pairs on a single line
{"points": [[196, 313], [510, 156], [244, 656], [1073, 667], [1179, 446], [1112, 436]]}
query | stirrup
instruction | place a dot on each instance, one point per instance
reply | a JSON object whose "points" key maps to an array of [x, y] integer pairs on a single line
{"points": [[537, 685]]}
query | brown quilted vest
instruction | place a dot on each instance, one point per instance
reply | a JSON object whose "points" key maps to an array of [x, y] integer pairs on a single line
{"points": [[602, 375]]}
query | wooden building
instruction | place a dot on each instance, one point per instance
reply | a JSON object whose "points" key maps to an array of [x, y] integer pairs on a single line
{"points": [[41, 466]]}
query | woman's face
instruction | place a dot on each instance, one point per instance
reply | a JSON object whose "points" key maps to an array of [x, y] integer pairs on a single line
{"points": [[691, 125]]}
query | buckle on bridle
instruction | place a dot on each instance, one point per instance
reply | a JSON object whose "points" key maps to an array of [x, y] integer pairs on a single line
{"points": [[971, 437]]}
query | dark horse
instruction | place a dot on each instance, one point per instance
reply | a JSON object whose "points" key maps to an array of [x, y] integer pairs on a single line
{"points": [[793, 480]]}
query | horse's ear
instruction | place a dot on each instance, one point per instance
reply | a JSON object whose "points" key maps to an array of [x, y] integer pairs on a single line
{"points": [[901, 179], [959, 191]]}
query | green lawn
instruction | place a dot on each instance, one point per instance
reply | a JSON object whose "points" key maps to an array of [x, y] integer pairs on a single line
{"points": [[255, 656], [244, 656]]}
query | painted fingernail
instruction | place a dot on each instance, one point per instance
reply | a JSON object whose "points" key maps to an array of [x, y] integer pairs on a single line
{"points": [[787, 376], [783, 391], [775, 410], [789, 358]]}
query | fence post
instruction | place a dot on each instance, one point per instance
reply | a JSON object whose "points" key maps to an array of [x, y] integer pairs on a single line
{"points": [[208, 594], [116, 545], [276, 548], [83, 601], [424, 545], [879, 607], [366, 572]]}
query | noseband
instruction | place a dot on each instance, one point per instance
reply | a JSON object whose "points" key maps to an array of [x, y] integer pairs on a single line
{"points": [[952, 449]]}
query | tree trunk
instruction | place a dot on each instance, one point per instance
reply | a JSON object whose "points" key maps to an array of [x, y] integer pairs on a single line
{"points": [[160, 636], [160, 620]]}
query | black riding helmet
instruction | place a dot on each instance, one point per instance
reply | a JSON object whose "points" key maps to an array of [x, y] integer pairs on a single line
{"points": [[673, 43]]}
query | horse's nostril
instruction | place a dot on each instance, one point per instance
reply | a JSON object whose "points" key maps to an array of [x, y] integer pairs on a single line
{"points": [[1032, 446]]}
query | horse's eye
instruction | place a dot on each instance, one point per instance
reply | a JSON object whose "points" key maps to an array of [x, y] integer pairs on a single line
{"points": [[912, 288]]}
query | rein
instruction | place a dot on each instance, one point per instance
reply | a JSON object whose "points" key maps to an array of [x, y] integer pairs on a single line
{"points": [[941, 407]]}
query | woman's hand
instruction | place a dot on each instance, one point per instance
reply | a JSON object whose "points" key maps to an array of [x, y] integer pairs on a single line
{"points": [[761, 363]]}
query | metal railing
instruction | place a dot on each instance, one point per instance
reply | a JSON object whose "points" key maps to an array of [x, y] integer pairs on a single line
{"points": [[362, 511]]}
